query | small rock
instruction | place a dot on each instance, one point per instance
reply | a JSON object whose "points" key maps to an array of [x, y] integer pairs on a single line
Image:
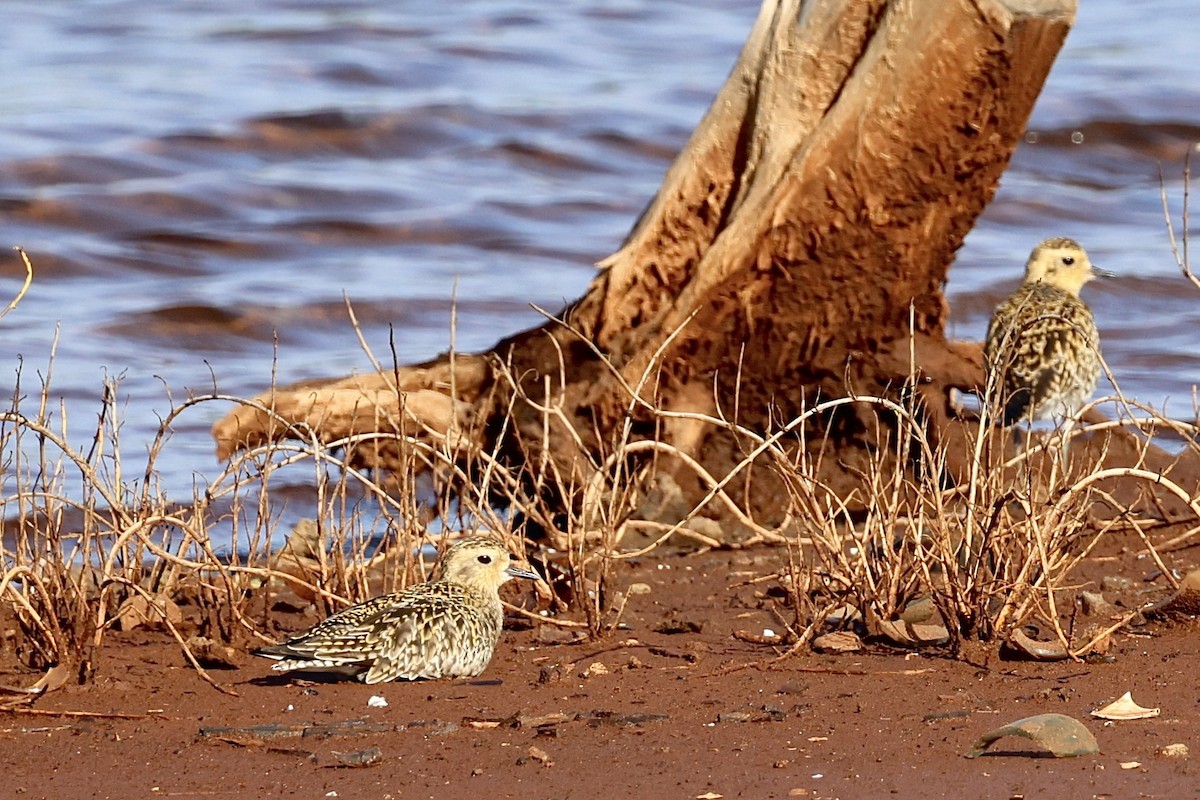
{"points": [[376, 701], [554, 635], [550, 673], [1184, 604], [902, 633], [1115, 583], [770, 713], [211, 653], [1099, 636], [1191, 581], [734, 716], [918, 611], [1060, 693], [1177, 750], [667, 652], [594, 669], [838, 642], [541, 756], [1094, 605], [595, 719], [138, 611], [843, 614], [639, 588], [1023, 645], [673, 626], [359, 758]]}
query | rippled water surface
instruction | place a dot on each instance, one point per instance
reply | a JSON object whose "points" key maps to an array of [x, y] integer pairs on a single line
{"points": [[202, 183]]}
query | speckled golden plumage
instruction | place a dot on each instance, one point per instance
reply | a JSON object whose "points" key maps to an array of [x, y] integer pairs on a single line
{"points": [[1043, 348], [445, 628]]}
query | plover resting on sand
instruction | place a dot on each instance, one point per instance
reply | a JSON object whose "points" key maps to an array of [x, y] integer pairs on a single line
{"points": [[447, 627]]}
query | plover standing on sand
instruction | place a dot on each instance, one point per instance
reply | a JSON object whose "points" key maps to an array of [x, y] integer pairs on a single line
{"points": [[1043, 348], [445, 628]]}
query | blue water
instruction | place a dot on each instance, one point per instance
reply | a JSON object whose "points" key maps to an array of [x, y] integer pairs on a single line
{"points": [[203, 184]]}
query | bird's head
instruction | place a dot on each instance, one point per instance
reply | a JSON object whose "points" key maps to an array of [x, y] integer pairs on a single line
{"points": [[1061, 263], [482, 561]]}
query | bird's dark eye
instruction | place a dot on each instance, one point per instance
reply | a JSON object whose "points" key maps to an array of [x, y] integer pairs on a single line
{"points": [[485, 559], [1068, 260]]}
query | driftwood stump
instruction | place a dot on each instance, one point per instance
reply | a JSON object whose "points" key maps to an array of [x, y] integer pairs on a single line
{"points": [[796, 252]]}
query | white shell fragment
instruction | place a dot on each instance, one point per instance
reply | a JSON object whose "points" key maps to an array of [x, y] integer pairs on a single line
{"points": [[1125, 708], [375, 701]]}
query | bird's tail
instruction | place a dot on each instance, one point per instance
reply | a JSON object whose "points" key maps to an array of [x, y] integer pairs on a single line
{"points": [[275, 652]]}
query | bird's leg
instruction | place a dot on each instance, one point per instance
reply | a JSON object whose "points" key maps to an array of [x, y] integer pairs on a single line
{"points": [[1064, 447]]}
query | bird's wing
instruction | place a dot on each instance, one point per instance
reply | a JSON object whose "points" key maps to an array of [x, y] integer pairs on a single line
{"points": [[1064, 334], [416, 640], [340, 637]]}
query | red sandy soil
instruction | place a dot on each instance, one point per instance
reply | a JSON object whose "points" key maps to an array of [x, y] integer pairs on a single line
{"points": [[670, 718]]}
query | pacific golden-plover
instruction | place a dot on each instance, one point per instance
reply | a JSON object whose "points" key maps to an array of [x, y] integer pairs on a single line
{"points": [[447, 627], [1043, 349]]}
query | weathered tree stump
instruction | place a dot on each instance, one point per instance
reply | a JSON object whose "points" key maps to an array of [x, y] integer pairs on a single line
{"points": [[796, 252]]}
